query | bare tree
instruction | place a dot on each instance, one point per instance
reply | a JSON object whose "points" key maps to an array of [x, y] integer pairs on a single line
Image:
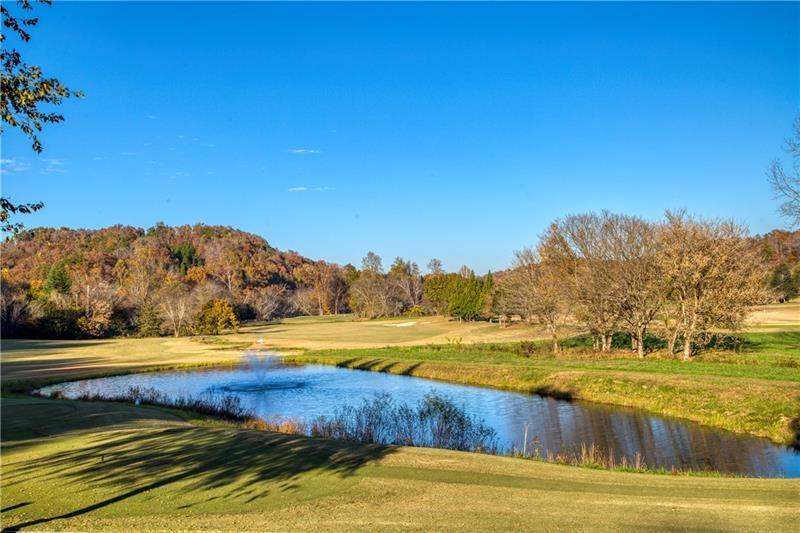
{"points": [[177, 304], [633, 250], [372, 263], [142, 274], [96, 298], [576, 246], [712, 276], [786, 183], [268, 301], [338, 291], [226, 263], [327, 283], [407, 281], [435, 267], [305, 301], [533, 290]]}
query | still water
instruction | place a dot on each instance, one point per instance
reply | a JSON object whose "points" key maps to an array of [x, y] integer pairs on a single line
{"points": [[272, 390]]}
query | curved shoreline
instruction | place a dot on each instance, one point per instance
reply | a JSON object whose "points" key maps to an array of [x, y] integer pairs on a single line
{"points": [[613, 389], [560, 385]]}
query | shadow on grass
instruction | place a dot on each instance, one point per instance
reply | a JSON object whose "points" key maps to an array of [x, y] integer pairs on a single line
{"points": [[203, 459], [24, 376], [12, 507], [357, 364], [15, 345], [554, 392], [374, 365], [779, 341], [794, 425]]}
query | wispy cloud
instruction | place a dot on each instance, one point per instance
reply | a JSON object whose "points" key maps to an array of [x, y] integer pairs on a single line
{"points": [[53, 165], [303, 151], [14, 164], [310, 189], [151, 117]]}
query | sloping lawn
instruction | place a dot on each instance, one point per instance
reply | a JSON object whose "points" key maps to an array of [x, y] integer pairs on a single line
{"points": [[107, 466]]}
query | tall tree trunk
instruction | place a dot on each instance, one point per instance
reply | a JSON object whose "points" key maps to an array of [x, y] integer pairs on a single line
{"points": [[671, 342], [640, 342], [687, 347]]}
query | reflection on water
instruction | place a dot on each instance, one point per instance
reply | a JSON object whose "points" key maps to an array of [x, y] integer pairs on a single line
{"points": [[305, 392]]}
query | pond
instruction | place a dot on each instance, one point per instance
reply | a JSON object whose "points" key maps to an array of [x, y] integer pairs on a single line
{"points": [[273, 390]]}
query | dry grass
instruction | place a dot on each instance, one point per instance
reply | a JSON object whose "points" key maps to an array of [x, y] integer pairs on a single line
{"points": [[785, 316], [346, 331]]}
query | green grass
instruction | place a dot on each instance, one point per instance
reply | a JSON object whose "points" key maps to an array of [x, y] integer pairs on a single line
{"points": [[109, 466], [96, 465]]}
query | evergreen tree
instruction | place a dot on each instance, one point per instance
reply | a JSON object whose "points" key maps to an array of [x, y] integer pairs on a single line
{"points": [[785, 285], [148, 323], [187, 257], [57, 280]]}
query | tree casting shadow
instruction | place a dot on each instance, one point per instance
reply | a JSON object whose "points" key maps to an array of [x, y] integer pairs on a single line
{"points": [[207, 459]]}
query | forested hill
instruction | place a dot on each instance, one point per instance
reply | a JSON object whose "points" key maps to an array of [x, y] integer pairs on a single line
{"points": [[122, 279], [105, 253]]}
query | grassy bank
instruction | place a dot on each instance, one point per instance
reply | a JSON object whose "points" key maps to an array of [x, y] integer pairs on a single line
{"points": [[108, 466], [97, 465], [755, 390]]}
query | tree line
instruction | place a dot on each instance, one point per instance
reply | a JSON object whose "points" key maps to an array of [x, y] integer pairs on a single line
{"points": [[682, 280], [63, 283]]}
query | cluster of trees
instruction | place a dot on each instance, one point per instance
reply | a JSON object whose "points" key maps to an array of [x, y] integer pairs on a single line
{"points": [[403, 290], [63, 283], [682, 278], [781, 251], [121, 280]]}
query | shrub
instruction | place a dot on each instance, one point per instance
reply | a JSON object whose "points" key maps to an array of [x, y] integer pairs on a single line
{"points": [[227, 407], [416, 310], [435, 422], [214, 317], [528, 348]]}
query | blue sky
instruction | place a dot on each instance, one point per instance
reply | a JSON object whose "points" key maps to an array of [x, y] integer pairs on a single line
{"points": [[450, 130]]}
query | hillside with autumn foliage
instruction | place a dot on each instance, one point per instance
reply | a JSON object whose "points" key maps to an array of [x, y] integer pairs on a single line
{"points": [[122, 279]]}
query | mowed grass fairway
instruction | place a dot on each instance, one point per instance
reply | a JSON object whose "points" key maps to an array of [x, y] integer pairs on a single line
{"points": [[44, 360], [96, 465], [347, 332], [93, 466]]}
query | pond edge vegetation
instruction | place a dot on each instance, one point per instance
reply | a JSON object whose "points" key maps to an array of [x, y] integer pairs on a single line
{"points": [[453, 428]]}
